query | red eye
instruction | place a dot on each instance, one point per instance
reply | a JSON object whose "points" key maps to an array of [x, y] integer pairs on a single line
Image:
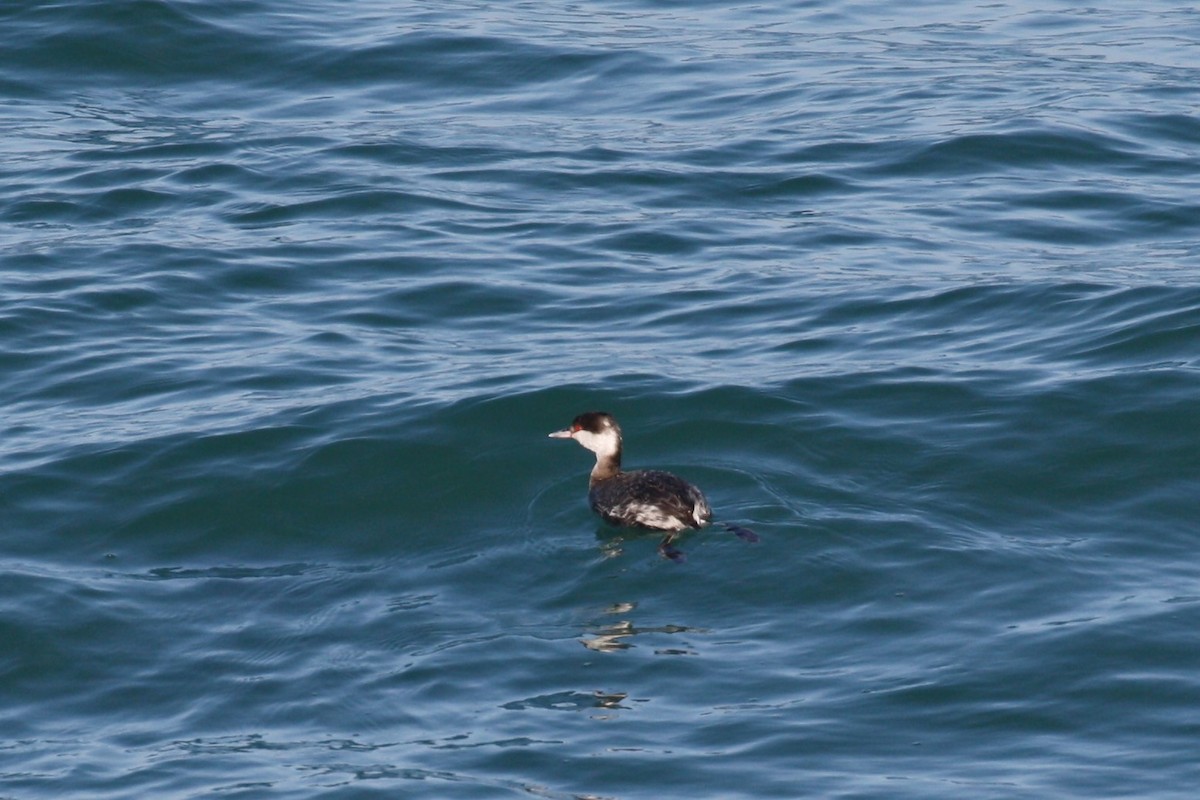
{"points": [[576, 428]]}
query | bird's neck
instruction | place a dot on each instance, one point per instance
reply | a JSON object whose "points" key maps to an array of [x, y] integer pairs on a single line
{"points": [[608, 465]]}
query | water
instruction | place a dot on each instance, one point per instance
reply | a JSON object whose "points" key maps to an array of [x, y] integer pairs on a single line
{"points": [[290, 297]]}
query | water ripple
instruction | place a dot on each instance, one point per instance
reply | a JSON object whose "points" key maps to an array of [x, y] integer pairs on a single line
{"points": [[290, 300]]}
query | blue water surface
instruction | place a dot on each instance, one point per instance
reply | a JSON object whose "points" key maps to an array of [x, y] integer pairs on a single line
{"points": [[291, 294]]}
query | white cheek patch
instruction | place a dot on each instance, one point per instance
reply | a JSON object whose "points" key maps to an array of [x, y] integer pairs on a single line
{"points": [[601, 443]]}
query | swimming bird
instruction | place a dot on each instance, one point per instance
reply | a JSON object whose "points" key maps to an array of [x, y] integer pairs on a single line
{"points": [[650, 499]]}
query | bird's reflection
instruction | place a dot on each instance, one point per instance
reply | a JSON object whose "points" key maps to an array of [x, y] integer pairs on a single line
{"points": [[614, 546], [609, 699], [611, 637]]}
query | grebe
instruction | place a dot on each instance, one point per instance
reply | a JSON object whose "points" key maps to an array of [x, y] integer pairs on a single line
{"points": [[650, 499]]}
